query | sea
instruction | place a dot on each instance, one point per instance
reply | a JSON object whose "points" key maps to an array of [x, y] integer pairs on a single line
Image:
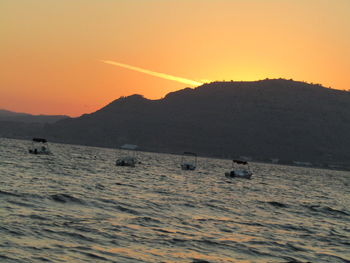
{"points": [[76, 205]]}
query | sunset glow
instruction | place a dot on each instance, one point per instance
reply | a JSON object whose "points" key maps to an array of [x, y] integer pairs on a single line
{"points": [[51, 51]]}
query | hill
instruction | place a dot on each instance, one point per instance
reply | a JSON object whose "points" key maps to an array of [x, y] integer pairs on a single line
{"points": [[11, 116], [262, 120], [277, 118]]}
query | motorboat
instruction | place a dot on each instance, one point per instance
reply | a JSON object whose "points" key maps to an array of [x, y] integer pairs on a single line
{"points": [[126, 161], [130, 156], [39, 146], [189, 161], [240, 169]]}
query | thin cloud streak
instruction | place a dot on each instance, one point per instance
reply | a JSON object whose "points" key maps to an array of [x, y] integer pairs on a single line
{"points": [[153, 73]]}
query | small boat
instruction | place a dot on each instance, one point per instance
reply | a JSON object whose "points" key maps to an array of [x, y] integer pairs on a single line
{"points": [[240, 169], [126, 161], [130, 158], [39, 146], [188, 161]]}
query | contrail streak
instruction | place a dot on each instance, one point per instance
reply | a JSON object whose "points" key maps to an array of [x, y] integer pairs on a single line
{"points": [[153, 73]]}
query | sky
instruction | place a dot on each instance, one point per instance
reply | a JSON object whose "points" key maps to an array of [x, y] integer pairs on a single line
{"points": [[53, 53]]}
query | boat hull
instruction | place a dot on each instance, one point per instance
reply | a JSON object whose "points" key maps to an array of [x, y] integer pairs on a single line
{"points": [[189, 167], [126, 162], [239, 174], [36, 151]]}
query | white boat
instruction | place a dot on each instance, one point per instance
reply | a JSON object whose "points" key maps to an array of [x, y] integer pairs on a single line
{"points": [[188, 161], [240, 169], [130, 158], [39, 146]]}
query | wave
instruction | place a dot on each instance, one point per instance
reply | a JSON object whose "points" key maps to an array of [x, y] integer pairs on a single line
{"points": [[56, 210], [127, 210], [327, 210], [277, 204], [4, 193], [65, 198]]}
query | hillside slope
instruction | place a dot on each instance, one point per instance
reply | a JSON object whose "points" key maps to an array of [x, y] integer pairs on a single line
{"points": [[264, 119]]}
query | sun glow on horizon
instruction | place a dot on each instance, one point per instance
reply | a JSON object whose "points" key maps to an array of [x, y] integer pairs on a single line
{"points": [[51, 65]]}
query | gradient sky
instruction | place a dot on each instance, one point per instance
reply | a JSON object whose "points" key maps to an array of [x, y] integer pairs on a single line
{"points": [[52, 50]]}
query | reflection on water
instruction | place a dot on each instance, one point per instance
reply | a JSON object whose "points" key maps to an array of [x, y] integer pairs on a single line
{"points": [[77, 206]]}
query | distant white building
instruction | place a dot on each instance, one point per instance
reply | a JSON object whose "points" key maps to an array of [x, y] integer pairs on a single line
{"points": [[128, 146], [302, 163], [245, 158]]}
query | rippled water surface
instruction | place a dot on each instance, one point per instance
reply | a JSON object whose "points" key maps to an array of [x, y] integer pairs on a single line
{"points": [[77, 206]]}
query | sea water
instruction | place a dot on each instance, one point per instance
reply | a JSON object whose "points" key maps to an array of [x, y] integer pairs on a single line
{"points": [[77, 206]]}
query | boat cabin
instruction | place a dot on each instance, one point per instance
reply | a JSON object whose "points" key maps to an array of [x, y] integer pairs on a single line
{"points": [[39, 146], [129, 158], [240, 169], [189, 161]]}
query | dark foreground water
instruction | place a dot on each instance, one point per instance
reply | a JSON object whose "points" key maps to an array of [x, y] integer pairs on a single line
{"points": [[77, 206]]}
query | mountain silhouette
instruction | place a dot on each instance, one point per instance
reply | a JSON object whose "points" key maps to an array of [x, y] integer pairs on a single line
{"points": [[272, 118], [6, 115]]}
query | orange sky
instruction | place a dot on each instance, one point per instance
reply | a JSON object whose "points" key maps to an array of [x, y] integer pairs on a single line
{"points": [[51, 51]]}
